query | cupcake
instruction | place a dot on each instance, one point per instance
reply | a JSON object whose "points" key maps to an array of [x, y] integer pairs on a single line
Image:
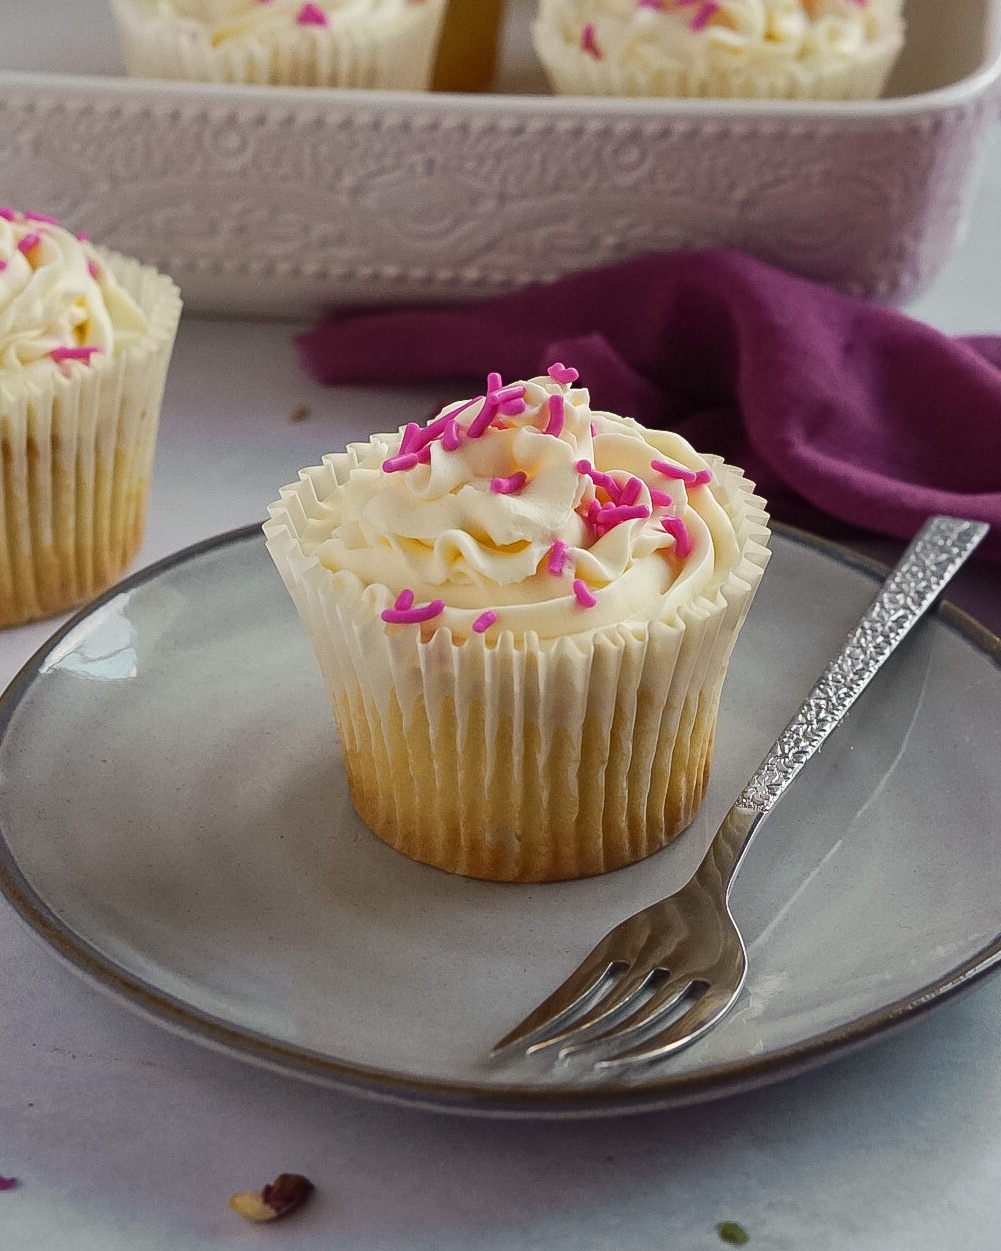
{"points": [[329, 43], [759, 49], [85, 339], [523, 613]]}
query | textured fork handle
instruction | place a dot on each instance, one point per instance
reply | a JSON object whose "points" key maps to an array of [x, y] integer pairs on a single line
{"points": [[937, 552]]}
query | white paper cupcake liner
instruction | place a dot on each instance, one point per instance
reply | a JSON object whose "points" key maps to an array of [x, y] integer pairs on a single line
{"points": [[574, 72], [520, 759], [77, 456], [396, 55]]}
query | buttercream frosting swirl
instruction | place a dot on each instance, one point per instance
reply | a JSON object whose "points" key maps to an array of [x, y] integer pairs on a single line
{"points": [[524, 510], [758, 34], [59, 302]]}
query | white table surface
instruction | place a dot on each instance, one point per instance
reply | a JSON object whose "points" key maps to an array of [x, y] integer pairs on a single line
{"points": [[124, 1137]]}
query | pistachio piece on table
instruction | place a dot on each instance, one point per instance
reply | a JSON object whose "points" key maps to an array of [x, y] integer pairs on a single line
{"points": [[287, 1193]]}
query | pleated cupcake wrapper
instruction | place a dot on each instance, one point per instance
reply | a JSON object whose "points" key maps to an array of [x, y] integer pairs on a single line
{"points": [[396, 55], [76, 457], [520, 759], [575, 73]]}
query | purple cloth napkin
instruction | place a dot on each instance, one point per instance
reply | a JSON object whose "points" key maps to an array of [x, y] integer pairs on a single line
{"points": [[840, 410]]}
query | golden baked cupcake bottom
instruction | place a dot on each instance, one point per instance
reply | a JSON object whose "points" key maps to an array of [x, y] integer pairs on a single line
{"points": [[77, 454], [585, 812]]}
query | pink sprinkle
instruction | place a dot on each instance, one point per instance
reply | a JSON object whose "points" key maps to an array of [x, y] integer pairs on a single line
{"points": [[660, 499], [512, 408], [83, 237], [414, 443], [8, 1183], [394, 464], [8, 215], [648, 4], [29, 242], [408, 615], [557, 560], [311, 15], [690, 477], [509, 486], [557, 415], [583, 593], [3, 265], [484, 621], [94, 270], [452, 437], [478, 426], [599, 479], [618, 513], [631, 492], [510, 400], [446, 427], [592, 512], [494, 381], [704, 15], [563, 374], [41, 217], [61, 354], [588, 42], [410, 437], [594, 429], [679, 532], [613, 515], [433, 430]]}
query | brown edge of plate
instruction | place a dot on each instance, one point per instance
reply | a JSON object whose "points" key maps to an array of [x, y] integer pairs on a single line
{"points": [[465, 1098]]}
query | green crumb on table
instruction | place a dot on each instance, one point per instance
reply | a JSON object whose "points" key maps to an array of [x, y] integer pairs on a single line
{"points": [[733, 1233]]}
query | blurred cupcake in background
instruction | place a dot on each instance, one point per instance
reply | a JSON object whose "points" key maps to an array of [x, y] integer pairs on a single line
{"points": [[306, 43], [756, 49], [85, 341]]}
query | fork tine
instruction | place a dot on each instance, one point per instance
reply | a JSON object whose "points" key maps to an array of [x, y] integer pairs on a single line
{"points": [[663, 999], [701, 1016], [582, 984], [620, 996]]}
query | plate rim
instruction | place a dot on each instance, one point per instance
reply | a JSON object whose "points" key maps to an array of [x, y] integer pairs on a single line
{"points": [[464, 1096]]}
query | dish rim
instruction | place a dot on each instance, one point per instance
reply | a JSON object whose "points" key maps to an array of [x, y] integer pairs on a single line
{"points": [[516, 1100], [173, 93]]}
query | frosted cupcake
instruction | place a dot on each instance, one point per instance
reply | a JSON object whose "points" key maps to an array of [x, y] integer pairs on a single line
{"points": [[85, 340], [523, 612], [761, 49], [326, 43]]}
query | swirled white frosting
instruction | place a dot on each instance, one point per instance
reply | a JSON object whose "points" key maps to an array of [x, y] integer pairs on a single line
{"points": [[225, 20], [757, 34], [520, 523], [58, 300]]}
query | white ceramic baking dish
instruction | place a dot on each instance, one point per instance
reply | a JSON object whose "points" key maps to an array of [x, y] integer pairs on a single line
{"points": [[280, 201]]}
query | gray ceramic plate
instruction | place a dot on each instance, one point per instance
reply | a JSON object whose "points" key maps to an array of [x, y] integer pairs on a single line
{"points": [[174, 822]]}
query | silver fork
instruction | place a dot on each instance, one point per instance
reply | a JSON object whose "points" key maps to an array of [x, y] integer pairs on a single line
{"points": [[685, 953]]}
